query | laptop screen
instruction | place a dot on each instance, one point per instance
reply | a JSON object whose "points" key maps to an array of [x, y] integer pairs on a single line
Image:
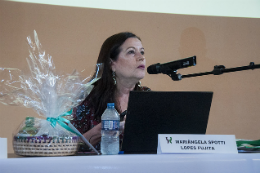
{"points": [[153, 113]]}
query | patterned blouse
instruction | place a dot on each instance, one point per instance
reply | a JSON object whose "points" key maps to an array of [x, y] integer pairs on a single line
{"points": [[83, 120]]}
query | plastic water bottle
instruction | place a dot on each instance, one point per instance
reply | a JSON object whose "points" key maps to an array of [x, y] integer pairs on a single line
{"points": [[110, 130]]}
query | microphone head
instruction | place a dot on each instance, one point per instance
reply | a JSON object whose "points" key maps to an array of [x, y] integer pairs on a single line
{"points": [[153, 69]]}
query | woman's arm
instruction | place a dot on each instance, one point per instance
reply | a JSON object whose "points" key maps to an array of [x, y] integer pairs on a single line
{"points": [[94, 134], [83, 120]]}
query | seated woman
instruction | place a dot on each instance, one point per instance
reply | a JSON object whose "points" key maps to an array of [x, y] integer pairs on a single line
{"points": [[123, 61]]}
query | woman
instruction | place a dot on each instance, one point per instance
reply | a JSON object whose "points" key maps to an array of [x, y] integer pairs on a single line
{"points": [[123, 61]]}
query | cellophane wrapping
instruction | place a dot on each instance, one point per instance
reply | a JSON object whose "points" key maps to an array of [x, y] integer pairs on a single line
{"points": [[48, 93]]}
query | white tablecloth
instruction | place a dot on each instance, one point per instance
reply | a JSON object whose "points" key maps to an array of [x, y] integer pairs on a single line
{"points": [[181, 163]]}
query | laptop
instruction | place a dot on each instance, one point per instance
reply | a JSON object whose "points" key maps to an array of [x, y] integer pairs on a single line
{"points": [[152, 113]]}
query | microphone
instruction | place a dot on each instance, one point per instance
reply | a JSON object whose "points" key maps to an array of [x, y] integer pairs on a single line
{"points": [[168, 68]]}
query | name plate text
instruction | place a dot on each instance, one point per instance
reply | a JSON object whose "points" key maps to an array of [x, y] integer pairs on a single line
{"points": [[170, 143]]}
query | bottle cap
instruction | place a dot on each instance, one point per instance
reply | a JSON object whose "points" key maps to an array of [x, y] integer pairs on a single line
{"points": [[110, 104], [29, 118], [29, 121]]}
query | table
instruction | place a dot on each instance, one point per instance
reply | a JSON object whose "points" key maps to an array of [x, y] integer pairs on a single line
{"points": [[181, 163]]}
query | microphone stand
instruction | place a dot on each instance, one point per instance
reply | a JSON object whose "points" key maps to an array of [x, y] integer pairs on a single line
{"points": [[218, 70]]}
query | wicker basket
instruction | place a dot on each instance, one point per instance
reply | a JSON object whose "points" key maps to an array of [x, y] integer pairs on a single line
{"points": [[45, 146]]}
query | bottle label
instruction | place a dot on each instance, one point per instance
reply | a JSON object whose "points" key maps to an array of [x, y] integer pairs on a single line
{"points": [[110, 124]]}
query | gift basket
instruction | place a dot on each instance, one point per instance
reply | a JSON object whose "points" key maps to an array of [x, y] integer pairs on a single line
{"points": [[52, 96]]}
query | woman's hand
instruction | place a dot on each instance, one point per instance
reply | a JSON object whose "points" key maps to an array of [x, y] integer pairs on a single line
{"points": [[94, 134]]}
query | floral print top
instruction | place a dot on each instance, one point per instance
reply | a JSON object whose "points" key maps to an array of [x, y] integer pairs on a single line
{"points": [[83, 120]]}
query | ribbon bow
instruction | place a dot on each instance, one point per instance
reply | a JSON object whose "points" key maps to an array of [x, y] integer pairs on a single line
{"points": [[62, 122]]}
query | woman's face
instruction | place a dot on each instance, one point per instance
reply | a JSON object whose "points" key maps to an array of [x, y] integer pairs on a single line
{"points": [[130, 64]]}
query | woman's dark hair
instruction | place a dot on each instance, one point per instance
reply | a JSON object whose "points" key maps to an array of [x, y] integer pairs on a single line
{"points": [[104, 89]]}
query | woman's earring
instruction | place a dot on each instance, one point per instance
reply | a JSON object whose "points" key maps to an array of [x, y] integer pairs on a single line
{"points": [[139, 84], [114, 77]]}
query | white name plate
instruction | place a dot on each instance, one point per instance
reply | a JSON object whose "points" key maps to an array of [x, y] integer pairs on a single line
{"points": [[3, 148], [168, 143]]}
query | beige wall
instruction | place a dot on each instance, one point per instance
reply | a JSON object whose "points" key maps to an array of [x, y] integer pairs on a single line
{"points": [[73, 37]]}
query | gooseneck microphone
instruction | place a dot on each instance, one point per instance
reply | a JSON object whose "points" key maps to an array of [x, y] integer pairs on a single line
{"points": [[168, 68], [171, 68]]}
